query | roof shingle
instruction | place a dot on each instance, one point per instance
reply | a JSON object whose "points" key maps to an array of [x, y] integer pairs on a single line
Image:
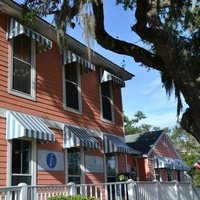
{"points": [[143, 142]]}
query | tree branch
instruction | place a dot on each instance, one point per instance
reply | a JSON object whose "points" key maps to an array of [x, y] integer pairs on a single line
{"points": [[105, 40], [146, 15]]}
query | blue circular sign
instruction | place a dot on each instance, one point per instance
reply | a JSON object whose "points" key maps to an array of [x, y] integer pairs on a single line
{"points": [[51, 160]]}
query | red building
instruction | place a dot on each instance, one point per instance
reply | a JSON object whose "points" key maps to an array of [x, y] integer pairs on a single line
{"points": [[61, 120], [159, 159]]}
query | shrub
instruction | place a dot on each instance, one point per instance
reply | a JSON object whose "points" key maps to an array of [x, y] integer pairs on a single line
{"points": [[77, 197]]}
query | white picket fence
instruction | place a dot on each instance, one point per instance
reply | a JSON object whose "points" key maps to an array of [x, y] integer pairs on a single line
{"points": [[129, 190]]}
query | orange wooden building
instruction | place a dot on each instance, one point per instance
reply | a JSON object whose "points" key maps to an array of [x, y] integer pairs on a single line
{"points": [[61, 114]]}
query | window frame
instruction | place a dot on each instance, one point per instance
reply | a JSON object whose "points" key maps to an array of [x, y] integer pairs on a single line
{"points": [[33, 162], [106, 169], [65, 107], [111, 102], [169, 175], [82, 168], [157, 174], [32, 95]]}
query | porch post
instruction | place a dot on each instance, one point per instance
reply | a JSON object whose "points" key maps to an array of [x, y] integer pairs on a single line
{"points": [[177, 189], [23, 193], [72, 189]]}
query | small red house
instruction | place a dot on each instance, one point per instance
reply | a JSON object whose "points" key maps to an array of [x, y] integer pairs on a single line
{"points": [[61, 116], [159, 159]]}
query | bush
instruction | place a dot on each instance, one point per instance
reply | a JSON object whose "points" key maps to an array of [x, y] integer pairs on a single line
{"points": [[77, 197]]}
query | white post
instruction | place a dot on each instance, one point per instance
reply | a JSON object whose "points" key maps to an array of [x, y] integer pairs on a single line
{"points": [[157, 190], [131, 189], [177, 191], [191, 191], [23, 193], [72, 189]]}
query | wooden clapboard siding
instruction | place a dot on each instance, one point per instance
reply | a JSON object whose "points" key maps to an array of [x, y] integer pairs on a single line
{"points": [[165, 148], [49, 91]]}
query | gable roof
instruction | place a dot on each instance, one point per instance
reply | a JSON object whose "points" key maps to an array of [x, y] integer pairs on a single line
{"points": [[144, 142]]}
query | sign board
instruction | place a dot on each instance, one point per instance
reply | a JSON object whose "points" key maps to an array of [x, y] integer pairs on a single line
{"points": [[50, 160], [93, 164]]}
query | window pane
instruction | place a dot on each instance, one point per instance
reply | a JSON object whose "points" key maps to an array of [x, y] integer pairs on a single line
{"points": [[76, 180], [26, 157], [21, 179], [105, 89], [71, 95], [107, 111], [21, 157], [22, 48], [169, 175], [71, 73], [111, 165], [16, 156], [157, 173], [74, 162], [21, 76]]}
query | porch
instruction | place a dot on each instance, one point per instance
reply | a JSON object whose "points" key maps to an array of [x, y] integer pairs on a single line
{"points": [[129, 190]]}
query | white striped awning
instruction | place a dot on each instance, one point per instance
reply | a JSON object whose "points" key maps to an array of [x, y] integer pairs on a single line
{"points": [[15, 29], [112, 144], [175, 165], [20, 125], [72, 57], [160, 162], [183, 165], [107, 76], [78, 137]]}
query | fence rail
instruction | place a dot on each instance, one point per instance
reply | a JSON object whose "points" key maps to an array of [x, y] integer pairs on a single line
{"points": [[129, 190]]}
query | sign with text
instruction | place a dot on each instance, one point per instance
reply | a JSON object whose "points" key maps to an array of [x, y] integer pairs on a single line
{"points": [[50, 160], [93, 164]]}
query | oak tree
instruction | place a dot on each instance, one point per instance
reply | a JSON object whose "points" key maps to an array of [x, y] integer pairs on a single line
{"points": [[170, 30]]}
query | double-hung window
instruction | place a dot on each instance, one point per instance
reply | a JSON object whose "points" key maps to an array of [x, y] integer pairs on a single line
{"points": [[21, 162], [74, 165], [107, 101], [169, 175], [22, 80], [157, 174], [72, 99], [111, 170]]}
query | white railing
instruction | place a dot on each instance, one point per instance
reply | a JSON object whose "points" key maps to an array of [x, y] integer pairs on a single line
{"points": [[13, 192], [129, 190]]}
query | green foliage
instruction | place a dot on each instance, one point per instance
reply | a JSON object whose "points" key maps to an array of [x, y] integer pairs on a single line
{"points": [[77, 197], [188, 149], [132, 127]]}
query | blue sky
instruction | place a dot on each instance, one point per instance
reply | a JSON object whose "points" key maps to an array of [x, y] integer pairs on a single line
{"points": [[144, 92]]}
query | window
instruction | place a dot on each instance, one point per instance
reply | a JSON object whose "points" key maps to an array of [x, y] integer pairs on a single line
{"points": [[106, 99], [111, 167], [178, 173], [74, 165], [21, 162], [22, 68], [169, 175], [157, 174], [72, 86]]}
